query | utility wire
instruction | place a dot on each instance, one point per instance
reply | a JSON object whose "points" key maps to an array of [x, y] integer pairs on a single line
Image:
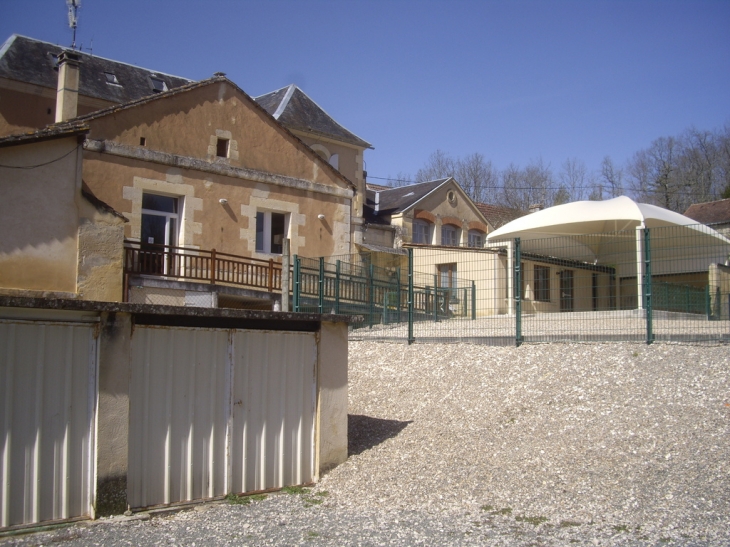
{"points": [[40, 164], [542, 188]]}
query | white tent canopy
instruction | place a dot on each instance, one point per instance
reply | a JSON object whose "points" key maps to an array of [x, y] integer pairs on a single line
{"points": [[593, 217], [608, 232]]}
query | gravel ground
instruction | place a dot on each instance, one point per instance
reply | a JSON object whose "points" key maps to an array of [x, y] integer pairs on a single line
{"points": [[553, 444]]}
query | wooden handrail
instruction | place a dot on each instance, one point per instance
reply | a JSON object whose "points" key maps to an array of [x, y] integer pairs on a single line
{"points": [[201, 265]]}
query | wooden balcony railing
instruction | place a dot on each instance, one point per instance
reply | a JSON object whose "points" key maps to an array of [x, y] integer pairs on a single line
{"points": [[200, 265]]}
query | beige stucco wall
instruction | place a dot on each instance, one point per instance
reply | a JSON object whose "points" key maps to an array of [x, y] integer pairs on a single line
{"points": [[331, 397], [56, 240], [100, 254], [489, 272], [481, 266], [719, 282], [438, 205], [189, 124], [39, 216], [25, 107], [350, 162], [208, 224], [113, 413]]}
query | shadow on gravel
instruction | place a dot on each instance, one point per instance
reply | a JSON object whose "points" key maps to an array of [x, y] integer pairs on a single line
{"points": [[364, 432]]}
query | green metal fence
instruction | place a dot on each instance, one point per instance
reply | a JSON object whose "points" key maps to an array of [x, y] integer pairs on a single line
{"points": [[386, 296], [667, 284]]}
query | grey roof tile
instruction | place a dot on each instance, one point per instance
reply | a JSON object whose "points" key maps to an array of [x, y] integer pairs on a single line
{"points": [[34, 62], [294, 109], [398, 199]]}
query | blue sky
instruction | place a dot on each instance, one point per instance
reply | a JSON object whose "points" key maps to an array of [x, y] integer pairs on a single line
{"points": [[514, 81]]}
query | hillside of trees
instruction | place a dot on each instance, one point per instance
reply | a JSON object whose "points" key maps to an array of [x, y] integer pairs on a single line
{"points": [[673, 172]]}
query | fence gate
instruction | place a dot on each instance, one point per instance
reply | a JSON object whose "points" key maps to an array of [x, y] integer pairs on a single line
{"points": [[47, 405], [214, 411]]}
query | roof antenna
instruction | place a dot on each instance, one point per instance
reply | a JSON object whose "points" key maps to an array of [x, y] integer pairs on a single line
{"points": [[73, 6]]}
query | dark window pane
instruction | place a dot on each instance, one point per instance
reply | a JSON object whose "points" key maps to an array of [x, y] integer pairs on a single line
{"points": [[153, 229], [155, 202], [222, 148], [260, 232], [277, 233]]}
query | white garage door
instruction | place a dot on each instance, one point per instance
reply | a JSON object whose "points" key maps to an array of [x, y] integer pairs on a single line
{"points": [[47, 404], [215, 411]]}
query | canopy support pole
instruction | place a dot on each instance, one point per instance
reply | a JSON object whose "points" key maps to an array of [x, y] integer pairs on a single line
{"points": [[510, 270], [639, 267]]}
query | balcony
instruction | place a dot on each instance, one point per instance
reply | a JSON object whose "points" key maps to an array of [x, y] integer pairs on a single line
{"points": [[182, 268]]}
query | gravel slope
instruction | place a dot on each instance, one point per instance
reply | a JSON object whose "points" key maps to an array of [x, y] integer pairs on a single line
{"points": [[555, 444]]}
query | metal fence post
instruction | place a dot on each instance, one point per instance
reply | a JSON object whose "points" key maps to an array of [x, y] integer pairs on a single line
{"points": [[398, 295], [337, 286], [517, 277], [647, 287], [435, 299], [297, 283], [285, 275], [411, 339], [371, 296], [321, 285], [473, 301]]}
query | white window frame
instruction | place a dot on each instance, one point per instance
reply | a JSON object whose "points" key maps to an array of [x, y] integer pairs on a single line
{"points": [[422, 228], [170, 239], [263, 246], [473, 234], [451, 233]]}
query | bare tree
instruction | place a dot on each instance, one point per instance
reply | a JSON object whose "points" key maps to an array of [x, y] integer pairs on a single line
{"points": [[400, 179], [653, 175], [522, 188], [477, 177], [576, 183], [439, 166], [611, 178], [723, 145]]}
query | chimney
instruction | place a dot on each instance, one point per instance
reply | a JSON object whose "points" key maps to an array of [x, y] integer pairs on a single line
{"points": [[377, 202], [535, 207], [67, 94]]}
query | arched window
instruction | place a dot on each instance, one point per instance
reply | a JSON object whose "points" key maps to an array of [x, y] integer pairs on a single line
{"points": [[321, 151], [449, 235], [476, 238], [421, 232]]}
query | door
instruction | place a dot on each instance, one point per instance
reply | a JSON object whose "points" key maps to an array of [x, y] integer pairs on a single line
{"points": [[214, 411], [158, 232], [47, 416], [178, 415], [274, 390], [448, 295], [566, 290]]}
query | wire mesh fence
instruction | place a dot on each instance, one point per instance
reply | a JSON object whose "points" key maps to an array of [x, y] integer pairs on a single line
{"points": [[667, 283]]}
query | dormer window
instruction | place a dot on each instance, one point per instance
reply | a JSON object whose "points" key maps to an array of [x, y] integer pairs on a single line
{"points": [[158, 84], [111, 78]]}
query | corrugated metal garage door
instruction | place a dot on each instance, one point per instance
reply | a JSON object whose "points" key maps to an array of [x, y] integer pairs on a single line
{"points": [[48, 373], [273, 409], [215, 411]]}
